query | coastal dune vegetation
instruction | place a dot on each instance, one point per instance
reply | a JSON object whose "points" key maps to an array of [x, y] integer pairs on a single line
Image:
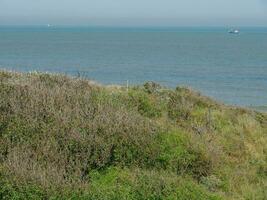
{"points": [[70, 138]]}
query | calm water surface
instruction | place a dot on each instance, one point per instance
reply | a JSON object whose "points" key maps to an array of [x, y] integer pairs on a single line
{"points": [[231, 68]]}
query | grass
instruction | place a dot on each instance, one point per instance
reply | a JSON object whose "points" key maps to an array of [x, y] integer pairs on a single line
{"points": [[68, 138]]}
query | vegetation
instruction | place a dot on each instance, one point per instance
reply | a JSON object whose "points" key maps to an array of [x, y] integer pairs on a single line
{"points": [[69, 138]]}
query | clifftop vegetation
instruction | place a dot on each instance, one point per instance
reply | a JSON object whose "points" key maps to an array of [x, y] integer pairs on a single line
{"points": [[69, 138]]}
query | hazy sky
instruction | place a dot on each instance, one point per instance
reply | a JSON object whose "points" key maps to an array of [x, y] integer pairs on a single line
{"points": [[135, 12]]}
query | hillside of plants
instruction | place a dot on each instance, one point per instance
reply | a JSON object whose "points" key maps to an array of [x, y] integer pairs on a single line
{"points": [[70, 138]]}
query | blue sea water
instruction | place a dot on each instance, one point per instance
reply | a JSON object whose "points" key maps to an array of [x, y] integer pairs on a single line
{"points": [[231, 68]]}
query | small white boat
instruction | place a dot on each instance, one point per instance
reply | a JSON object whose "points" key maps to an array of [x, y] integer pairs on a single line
{"points": [[233, 31]]}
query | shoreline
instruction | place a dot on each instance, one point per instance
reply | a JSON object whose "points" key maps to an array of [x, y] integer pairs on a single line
{"points": [[259, 108]]}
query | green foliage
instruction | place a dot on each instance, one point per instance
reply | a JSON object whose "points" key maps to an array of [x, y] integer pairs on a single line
{"points": [[177, 154], [145, 104], [9, 190], [67, 138], [117, 184], [183, 102], [152, 87]]}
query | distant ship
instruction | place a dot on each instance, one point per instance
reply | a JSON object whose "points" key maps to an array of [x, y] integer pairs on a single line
{"points": [[48, 25], [233, 31]]}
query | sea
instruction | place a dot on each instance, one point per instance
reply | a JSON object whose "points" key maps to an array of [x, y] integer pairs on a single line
{"points": [[232, 68]]}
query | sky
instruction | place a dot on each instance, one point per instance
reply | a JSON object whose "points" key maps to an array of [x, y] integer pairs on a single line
{"points": [[134, 12]]}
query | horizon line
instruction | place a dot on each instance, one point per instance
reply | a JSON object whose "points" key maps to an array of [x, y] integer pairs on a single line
{"points": [[51, 25]]}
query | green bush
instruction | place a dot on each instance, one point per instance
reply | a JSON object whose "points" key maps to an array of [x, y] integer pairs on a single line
{"points": [[145, 105], [127, 184], [178, 155]]}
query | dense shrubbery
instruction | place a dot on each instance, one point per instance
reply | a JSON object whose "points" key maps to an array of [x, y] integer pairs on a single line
{"points": [[118, 184], [67, 138]]}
